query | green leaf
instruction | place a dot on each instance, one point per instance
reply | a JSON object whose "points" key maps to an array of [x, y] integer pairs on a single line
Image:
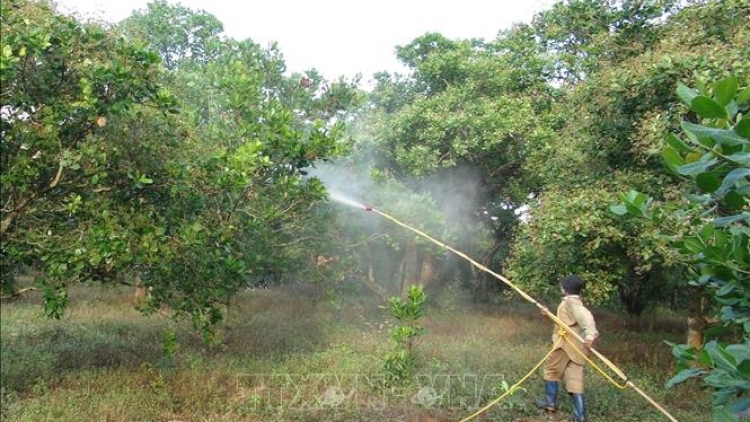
{"points": [[635, 197], [683, 375], [714, 254], [743, 96], [705, 141], [740, 405], [708, 182], [720, 357], [696, 167], [682, 351], [708, 108], [693, 157], [734, 200], [725, 89], [707, 232], [733, 108], [701, 85], [727, 220], [725, 289], [731, 179], [741, 353], [715, 331], [741, 158], [723, 414], [720, 238], [685, 94], [634, 209], [619, 210], [693, 244], [743, 127], [677, 143], [672, 158], [721, 136]]}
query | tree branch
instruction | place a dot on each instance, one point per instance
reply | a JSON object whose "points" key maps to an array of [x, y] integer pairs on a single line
{"points": [[24, 203], [18, 293]]}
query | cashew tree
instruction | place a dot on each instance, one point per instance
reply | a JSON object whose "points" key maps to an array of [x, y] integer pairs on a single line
{"points": [[713, 153]]}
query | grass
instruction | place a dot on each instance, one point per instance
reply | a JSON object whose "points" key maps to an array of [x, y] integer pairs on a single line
{"points": [[290, 355]]}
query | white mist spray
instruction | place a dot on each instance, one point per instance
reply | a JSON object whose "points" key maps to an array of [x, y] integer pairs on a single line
{"points": [[343, 199]]}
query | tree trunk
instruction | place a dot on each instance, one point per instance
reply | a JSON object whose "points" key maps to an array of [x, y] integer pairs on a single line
{"points": [[428, 269], [141, 292], [482, 291], [410, 265], [376, 288], [696, 321], [369, 279], [631, 291]]}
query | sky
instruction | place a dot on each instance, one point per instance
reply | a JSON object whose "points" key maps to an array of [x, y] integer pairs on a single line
{"points": [[339, 37]]}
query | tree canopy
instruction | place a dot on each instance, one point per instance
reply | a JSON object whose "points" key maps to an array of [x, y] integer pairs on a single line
{"points": [[163, 153]]}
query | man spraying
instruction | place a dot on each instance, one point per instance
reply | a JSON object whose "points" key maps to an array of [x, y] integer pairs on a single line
{"points": [[567, 360]]}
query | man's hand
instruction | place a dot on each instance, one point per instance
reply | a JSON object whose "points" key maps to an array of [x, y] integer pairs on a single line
{"points": [[545, 311]]}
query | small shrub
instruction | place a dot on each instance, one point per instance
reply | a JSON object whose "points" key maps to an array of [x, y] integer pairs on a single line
{"points": [[399, 363]]}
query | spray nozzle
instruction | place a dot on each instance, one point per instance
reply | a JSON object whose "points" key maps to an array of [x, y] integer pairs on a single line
{"points": [[368, 207]]}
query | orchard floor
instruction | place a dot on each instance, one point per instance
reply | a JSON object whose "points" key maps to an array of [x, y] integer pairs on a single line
{"points": [[303, 354]]}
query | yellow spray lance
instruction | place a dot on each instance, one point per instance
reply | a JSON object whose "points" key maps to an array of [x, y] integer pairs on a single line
{"points": [[551, 315]]}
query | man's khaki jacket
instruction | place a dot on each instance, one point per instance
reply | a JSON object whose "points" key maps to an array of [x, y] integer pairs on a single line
{"points": [[572, 312]]}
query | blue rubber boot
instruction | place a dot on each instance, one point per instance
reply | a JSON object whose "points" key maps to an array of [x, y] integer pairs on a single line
{"points": [[579, 407], [549, 402]]}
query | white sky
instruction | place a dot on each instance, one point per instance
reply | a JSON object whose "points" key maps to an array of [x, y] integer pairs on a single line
{"points": [[340, 37]]}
